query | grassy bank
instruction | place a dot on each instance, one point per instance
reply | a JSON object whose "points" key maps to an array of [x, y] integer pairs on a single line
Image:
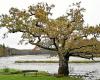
{"points": [[31, 76], [36, 61], [42, 77], [83, 61]]}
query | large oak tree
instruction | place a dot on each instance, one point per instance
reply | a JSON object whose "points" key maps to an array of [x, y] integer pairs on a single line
{"points": [[66, 35]]}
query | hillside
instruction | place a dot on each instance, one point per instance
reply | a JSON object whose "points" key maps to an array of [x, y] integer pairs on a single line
{"points": [[6, 51]]}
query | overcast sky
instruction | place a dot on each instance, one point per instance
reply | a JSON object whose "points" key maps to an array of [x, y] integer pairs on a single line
{"points": [[92, 15]]}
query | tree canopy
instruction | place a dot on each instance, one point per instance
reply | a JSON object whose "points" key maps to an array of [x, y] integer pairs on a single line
{"points": [[67, 35]]}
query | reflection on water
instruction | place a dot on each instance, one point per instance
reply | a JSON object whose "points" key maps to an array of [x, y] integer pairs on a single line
{"points": [[75, 68]]}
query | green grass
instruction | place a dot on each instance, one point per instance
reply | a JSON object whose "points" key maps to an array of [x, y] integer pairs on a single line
{"points": [[42, 77], [31, 76], [56, 61], [8, 70]]}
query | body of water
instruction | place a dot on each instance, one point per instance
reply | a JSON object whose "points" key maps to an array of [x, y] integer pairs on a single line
{"points": [[90, 69]]}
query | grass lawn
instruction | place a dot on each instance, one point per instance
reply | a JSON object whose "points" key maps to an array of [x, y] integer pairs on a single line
{"points": [[6, 74], [42, 77]]}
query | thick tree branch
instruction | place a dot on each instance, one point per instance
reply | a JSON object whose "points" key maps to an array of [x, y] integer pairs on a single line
{"points": [[37, 44], [81, 47], [85, 55], [54, 42], [41, 46]]}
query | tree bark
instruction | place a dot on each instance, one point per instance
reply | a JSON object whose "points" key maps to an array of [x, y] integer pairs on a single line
{"points": [[63, 66]]}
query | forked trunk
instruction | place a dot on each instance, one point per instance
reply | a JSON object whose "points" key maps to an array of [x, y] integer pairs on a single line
{"points": [[63, 66]]}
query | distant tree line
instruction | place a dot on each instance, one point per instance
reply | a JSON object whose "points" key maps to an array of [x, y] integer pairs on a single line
{"points": [[3, 50], [6, 51]]}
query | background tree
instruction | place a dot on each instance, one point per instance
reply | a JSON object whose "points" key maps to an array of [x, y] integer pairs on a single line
{"points": [[67, 35], [3, 50]]}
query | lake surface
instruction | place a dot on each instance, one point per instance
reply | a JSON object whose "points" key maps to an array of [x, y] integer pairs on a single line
{"points": [[90, 69]]}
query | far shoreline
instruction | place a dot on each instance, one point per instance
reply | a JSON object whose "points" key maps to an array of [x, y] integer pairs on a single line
{"points": [[34, 61]]}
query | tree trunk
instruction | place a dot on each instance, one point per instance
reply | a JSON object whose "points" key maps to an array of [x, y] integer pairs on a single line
{"points": [[63, 66]]}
